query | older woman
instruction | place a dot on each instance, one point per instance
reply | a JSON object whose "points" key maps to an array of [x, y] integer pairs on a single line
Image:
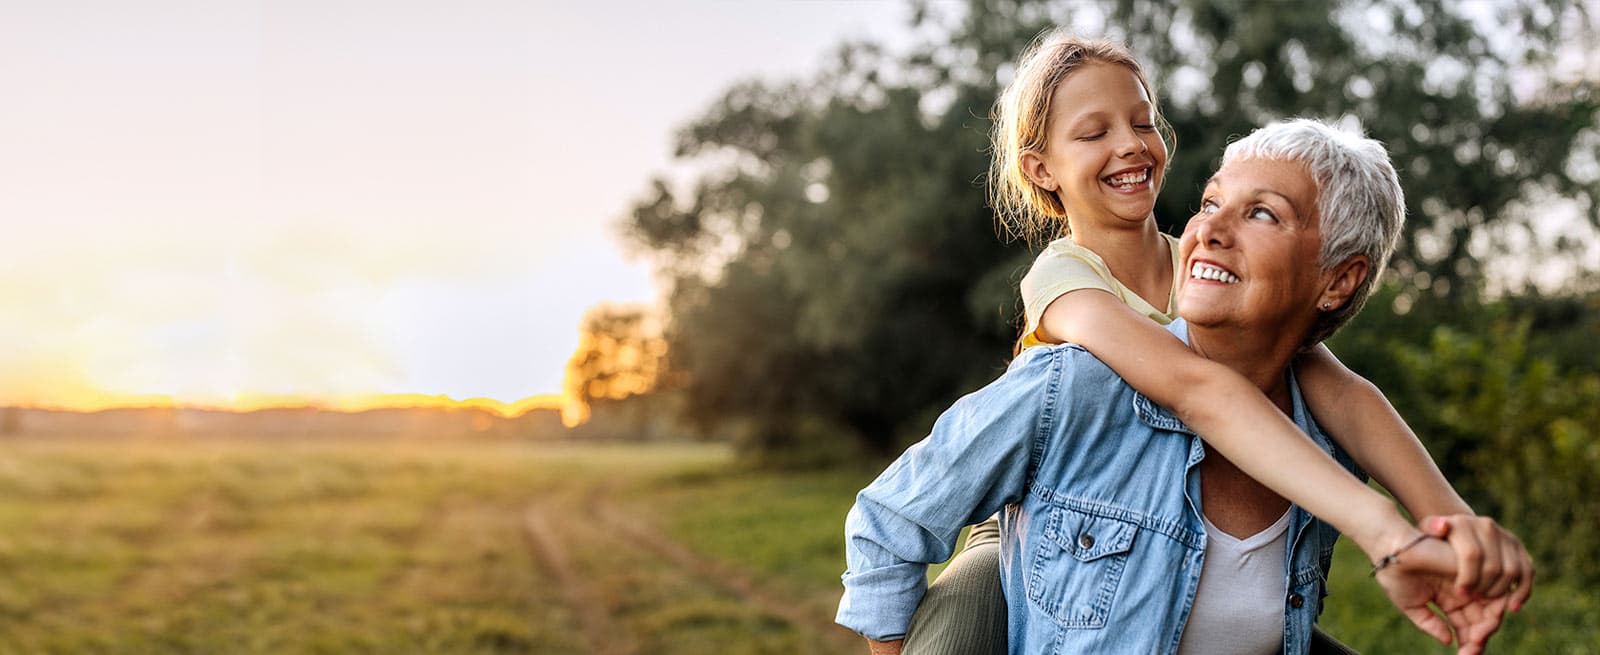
{"points": [[1113, 512]]}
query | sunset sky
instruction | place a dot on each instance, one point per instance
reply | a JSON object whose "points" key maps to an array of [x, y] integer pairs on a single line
{"points": [[216, 201]]}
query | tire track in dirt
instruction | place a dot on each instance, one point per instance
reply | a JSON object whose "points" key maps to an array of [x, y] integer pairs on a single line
{"points": [[723, 575], [598, 627]]}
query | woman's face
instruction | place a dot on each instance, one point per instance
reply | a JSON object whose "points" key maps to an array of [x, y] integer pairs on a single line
{"points": [[1102, 153], [1252, 252]]}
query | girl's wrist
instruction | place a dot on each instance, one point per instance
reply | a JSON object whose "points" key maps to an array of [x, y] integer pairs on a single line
{"points": [[1384, 533], [1387, 560]]}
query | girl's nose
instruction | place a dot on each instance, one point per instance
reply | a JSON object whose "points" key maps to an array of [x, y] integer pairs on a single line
{"points": [[1131, 145]]}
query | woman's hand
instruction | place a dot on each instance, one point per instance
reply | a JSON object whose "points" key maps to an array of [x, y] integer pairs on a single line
{"points": [[1490, 561], [1425, 574]]}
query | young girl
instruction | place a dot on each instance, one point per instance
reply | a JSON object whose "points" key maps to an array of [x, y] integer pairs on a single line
{"points": [[1079, 149]]}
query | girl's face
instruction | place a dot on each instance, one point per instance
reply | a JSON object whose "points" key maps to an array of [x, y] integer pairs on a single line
{"points": [[1102, 155]]}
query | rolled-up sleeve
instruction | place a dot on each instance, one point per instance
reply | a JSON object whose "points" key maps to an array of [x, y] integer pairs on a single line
{"points": [[975, 461]]}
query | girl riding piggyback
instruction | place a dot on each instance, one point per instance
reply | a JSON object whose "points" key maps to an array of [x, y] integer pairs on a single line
{"points": [[1080, 154]]}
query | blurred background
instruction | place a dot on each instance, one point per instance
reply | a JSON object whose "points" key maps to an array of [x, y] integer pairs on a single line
{"points": [[506, 327]]}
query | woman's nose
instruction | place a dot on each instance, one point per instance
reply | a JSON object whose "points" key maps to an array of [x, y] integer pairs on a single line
{"points": [[1212, 230]]}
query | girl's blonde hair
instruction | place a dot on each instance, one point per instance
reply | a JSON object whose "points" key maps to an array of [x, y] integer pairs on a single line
{"points": [[1022, 123]]}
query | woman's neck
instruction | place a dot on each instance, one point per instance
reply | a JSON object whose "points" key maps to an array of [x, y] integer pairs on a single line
{"points": [[1137, 256], [1261, 355]]}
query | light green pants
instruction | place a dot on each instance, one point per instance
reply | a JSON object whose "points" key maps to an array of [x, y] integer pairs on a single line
{"points": [[964, 611]]}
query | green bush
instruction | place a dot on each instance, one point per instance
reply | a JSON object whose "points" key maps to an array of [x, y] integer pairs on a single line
{"points": [[1517, 436]]}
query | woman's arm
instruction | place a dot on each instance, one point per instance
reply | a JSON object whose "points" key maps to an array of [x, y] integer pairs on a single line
{"points": [[1361, 419], [1229, 412], [973, 462]]}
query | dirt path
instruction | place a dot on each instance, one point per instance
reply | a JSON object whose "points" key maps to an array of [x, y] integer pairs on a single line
{"points": [[600, 630], [611, 528], [729, 578]]}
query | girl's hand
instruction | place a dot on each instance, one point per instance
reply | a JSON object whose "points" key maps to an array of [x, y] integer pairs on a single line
{"points": [[1420, 577], [1490, 561]]}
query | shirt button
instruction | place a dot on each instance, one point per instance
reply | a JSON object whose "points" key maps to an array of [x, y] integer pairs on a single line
{"points": [[1296, 601], [1086, 540]]}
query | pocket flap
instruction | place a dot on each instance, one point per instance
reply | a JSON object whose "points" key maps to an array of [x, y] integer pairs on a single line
{"points": [[1087, 536]]}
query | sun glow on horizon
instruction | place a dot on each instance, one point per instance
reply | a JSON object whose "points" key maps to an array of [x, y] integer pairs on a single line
{"points": [[256, 402]]}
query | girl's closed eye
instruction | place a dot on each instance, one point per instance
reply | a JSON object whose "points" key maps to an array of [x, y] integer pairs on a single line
{"points": [[1092, 136]]}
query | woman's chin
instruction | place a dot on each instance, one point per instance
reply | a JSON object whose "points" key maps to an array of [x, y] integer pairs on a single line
{"points": [[1201, 314]]}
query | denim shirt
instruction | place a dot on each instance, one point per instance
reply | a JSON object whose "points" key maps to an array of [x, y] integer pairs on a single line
{"points": [[1102, 539]]}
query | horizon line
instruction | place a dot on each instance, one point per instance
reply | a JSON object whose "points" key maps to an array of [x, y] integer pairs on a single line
{"points": [[348, 405]]}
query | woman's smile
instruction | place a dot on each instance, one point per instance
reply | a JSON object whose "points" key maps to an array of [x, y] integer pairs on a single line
{"points": [[1206, 271]]}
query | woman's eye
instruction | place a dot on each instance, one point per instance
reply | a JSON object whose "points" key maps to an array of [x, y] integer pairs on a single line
{"points": [[1208, 206], [1264, 214]]}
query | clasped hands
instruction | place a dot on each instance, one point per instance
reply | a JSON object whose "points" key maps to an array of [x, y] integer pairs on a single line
{"points": [[1474, 572]]}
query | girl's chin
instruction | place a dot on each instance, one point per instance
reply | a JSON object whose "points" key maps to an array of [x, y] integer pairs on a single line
{"points": [[1136, 208]]}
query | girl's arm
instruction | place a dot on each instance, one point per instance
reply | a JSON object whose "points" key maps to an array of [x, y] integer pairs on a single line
{"points": [[1238, 420], [1366, 425], [1229, 412]]}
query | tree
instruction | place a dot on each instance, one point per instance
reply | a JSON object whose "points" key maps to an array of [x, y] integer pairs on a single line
{"points": [[620, 354], [837, 275]]}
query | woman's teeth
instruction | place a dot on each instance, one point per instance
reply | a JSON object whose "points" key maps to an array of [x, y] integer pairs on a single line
{"points": [[1128, 180], [1209, 272]]}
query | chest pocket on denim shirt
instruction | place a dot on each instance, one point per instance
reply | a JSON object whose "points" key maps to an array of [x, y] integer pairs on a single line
{"points": [[1077, 566]]}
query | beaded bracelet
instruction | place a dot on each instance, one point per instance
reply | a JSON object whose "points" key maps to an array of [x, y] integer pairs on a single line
{"points": [[1393, 557]]}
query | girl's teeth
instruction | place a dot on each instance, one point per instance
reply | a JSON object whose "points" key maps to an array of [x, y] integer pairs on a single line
{"points": [[1130, 179]]}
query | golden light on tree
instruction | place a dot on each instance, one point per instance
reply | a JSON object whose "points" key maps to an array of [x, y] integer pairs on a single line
{"points": [[621, 353]]}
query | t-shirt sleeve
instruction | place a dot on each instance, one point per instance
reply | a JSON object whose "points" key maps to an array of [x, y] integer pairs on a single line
{"points": [[1057, 271]]}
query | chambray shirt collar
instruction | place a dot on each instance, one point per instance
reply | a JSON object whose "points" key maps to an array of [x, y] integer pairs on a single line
{"points": [[1159, 418]]}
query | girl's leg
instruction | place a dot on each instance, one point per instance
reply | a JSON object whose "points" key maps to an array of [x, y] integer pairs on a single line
{"points": [[964, 611]]}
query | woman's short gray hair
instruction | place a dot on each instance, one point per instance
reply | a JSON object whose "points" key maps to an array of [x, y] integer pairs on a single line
{"points": [[1358, 199]]}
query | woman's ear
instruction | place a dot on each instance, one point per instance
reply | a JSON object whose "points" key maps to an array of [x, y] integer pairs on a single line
{"points": [[1343, 282], [1038, 172]]}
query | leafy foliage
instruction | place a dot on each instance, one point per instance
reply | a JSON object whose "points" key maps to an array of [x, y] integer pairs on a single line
{"points": [[1521, 438]]}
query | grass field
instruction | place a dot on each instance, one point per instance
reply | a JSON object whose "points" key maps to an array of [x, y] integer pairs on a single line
{"points": [[474, 547]]}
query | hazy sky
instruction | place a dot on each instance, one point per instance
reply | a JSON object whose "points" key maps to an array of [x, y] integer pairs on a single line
{"points": [[211, 198]]}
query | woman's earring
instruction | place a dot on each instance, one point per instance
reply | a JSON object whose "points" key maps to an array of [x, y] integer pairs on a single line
{"points": [[1327, 306]]}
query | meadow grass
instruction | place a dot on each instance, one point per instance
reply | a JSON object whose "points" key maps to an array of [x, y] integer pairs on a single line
{"points": [[260, 546]]}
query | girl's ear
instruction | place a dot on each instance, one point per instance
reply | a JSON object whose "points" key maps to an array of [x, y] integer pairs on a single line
{"points": [[1034, 167], [1345, 279]]}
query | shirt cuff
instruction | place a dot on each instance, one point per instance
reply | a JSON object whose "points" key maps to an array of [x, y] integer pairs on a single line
{"points": [[878, 604]]}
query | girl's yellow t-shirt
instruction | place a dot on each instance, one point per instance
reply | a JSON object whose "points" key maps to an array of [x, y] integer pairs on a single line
{"points": [[1066, 266]]}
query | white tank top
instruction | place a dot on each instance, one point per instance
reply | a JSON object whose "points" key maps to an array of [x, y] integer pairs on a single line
{"points": [[1238, 609]]}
